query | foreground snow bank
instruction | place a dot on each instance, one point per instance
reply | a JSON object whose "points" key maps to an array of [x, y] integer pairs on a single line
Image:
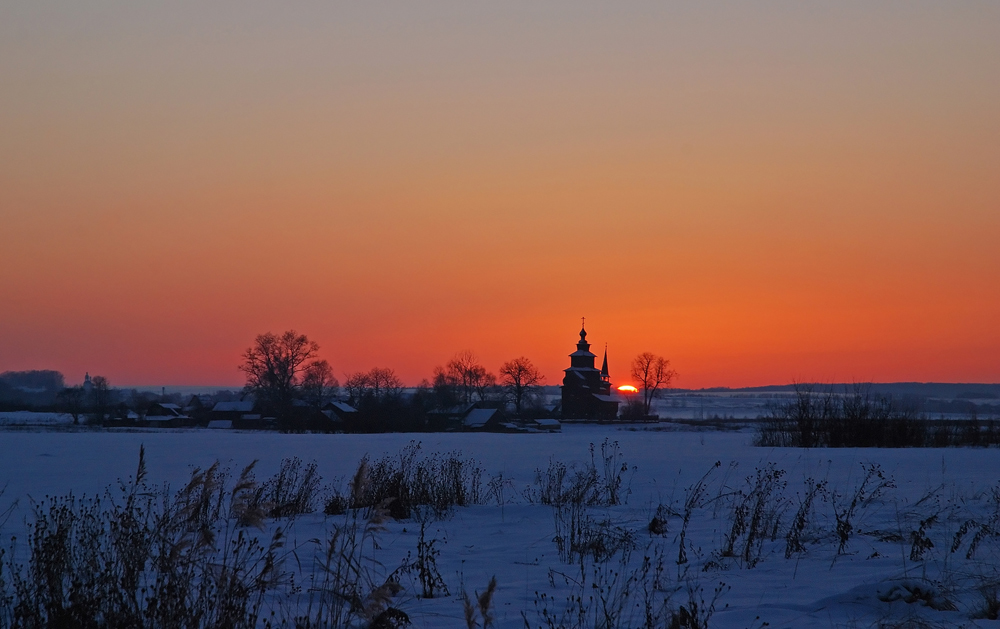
{"points": [[887, 534]]}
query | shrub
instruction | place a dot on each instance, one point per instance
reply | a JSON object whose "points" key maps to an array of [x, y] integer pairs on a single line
{"points": [[292, 491], [696, 613], [856, 418], [793, 540], [578, 535], [658, 525], [608, 593], [408, 480], [345, 586], [425, 566], [693, 500], [482, 607], [144, 558], [586, 484], [756, 515], [871, 487]]}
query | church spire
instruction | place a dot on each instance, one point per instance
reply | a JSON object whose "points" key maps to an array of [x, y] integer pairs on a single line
{"points": [[604, 368]]}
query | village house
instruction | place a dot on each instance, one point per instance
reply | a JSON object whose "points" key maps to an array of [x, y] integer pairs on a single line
{"points": [[166, 415]]}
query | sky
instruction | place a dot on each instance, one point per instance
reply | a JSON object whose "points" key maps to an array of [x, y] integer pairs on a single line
{"points": [[761, 192]]}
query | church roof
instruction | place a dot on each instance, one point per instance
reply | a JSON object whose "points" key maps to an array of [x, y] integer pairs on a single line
{"points": [[583, 352]]}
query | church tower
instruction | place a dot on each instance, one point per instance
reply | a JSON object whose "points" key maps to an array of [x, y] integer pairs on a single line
{"points": [[586, 390], [582, 358]]}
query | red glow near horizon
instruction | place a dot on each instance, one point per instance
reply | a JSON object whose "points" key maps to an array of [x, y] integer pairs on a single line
{"points": [[799, 198]]}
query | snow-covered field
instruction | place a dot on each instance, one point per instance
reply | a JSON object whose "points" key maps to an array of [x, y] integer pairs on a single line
{"points": [[889, 557], [33, 418]]}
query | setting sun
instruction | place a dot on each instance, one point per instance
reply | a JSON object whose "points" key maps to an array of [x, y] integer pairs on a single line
{"points": [[627, 388]]}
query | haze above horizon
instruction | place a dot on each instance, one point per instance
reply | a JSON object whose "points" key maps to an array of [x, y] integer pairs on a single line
{"points": [[762, 193]]}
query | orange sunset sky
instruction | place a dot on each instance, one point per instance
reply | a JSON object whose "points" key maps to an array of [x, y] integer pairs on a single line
{"points": [[762, 192]]}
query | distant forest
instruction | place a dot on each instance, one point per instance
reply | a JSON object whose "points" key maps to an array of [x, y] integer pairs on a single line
{"points": [[27, 389], [39, 390], [951, 390]]}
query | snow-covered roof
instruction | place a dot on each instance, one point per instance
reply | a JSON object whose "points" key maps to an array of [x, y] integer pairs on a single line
{"points": [[459, 409], [478, 417], [548, 423], [605, 398], [343, 407], [243, 406], [163, 410]]}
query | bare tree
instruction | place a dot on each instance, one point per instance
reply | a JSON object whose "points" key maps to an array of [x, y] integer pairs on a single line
{"points": [[318, 383], [519, 378], [102, 394], [140, 402], [71, 400], [380, 384], [384, 383], [356, 385], [652, 373], [445, 387], [469, 376], [273, 366]]}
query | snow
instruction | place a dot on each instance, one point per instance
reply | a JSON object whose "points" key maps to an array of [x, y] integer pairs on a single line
{"points": [[478, 417], [242, 406], [875, 581], [32, 418]]}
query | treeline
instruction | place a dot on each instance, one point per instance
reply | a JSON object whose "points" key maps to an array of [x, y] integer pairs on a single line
{"points": [[859, 418], [290, 387], [292, 384], [20, 389], [95, 402]]}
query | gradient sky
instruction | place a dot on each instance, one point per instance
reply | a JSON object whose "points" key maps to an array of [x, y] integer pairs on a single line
{"points": [[762, 192]]}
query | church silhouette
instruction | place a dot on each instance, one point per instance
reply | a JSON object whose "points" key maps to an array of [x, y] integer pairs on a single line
{"points": [[586, 390]]}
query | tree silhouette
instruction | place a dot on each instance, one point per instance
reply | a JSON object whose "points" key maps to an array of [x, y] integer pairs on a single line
{"points": [[384, 383], [470, 378], [71, 400], [319, 385], [356, 386], [101, 393], [652, 373], [519, 377], [273, 366], [379, 384]]}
